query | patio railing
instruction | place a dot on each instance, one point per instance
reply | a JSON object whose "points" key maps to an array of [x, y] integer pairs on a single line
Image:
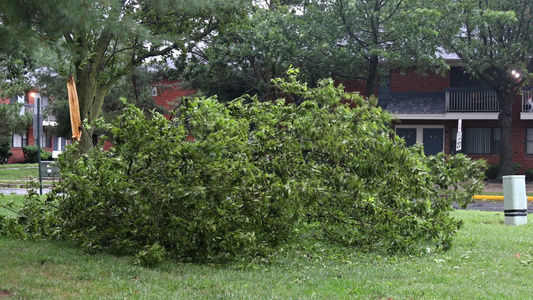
{"points": [[471, 100]]}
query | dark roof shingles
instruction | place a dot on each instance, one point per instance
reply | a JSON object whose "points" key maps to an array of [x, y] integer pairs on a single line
{"points": [[415, 103]]}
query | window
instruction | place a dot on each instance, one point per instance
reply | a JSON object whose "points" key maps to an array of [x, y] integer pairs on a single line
{"points": [[60, 143], [460, 78], [154, 91], [478, 140], [529, 140], [46, 141], [20, 140]]}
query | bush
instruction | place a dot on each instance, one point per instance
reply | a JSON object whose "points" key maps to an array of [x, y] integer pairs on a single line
{"points": [[516, 167], [5, 147], [31, 154], [252, 173], [529, 174], [492, 171]]}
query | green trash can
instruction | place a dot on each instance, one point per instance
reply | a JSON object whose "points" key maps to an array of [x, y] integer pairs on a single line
{"points": [[49, 169]]}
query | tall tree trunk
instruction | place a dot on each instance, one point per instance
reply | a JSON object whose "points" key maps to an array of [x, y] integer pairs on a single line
{"points": [[505, 117], [372, 76], [91, 88]]}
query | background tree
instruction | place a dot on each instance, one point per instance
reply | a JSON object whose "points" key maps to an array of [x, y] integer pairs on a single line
{"points": [[15, 60], [354, 38], [493, 38], [347, 39], [104, 41], [245, 57]]}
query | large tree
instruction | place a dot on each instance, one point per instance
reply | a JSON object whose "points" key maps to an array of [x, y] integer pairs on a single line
{"points": [[245, 57], [495, 38], [356, 37], [103, 41], [348, 39]]}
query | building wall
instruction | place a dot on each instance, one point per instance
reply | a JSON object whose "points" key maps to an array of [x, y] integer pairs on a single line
{"points": [[18, 154], [351, 86], [169, 91], [411, 81], [518, 136]]}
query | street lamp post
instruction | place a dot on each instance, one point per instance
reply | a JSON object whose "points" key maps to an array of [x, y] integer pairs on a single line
{"points": [[39, 129]]}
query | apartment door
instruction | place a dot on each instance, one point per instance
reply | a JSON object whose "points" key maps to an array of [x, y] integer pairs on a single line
{"points": [[433, 141], [408, 134]]}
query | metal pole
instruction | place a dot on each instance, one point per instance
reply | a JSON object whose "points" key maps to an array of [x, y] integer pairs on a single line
{"points": [[39, 144]]}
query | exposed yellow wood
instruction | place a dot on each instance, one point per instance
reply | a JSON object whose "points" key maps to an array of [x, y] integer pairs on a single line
{"points": [[75, 119]]}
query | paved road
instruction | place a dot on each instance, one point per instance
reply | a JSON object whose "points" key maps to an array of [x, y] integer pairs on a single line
{"points": [[493, 206]]}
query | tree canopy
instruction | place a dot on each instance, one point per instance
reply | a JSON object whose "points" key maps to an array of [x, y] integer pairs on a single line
{"points": [[342, 38], [245, 57]]}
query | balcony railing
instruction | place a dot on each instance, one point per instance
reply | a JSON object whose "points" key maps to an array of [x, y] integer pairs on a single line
{"points": [[471, 100], [527, 106]]}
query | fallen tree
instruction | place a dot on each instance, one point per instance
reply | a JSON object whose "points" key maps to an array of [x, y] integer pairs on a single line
{"points": [[224, 180]]}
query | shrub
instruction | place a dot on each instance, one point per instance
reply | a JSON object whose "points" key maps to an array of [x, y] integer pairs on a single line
{"points": [[516, 167], [492, 171], [5, 147], [252, 173], [529, 174], [31, 154]]}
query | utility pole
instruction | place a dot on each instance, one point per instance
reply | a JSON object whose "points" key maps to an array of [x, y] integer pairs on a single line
{"points": [[39, 129]]}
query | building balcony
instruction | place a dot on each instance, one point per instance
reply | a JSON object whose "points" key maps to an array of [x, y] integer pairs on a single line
{"points": [[471, 100], [452, 104]]}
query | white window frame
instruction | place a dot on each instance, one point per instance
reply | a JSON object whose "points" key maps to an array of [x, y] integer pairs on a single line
{"points": [[18, 140], [529, 143]]}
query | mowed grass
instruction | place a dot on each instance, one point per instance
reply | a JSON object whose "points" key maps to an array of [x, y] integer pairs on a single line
{"points": [[21, 173], [13, 203], [488, 260]]}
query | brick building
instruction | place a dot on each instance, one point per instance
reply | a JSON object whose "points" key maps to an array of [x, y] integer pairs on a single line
{"points": [[428, 108]]}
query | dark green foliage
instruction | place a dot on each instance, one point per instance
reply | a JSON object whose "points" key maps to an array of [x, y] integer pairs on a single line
{"points": [[5, 147], [492, 171], [529, 174], [516, 167], [31, 154], [35, 219], [224, 180], [150, 255]]}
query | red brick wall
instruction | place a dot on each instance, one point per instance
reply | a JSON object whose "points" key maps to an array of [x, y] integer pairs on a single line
{"points": [[169, 90], [518, 138], [404, 81], [410, 81], [351, 86]]}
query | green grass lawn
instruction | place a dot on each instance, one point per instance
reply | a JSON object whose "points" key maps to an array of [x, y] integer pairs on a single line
{"points": [[11, 166], [17, 201], [20, 174], [489, 260]]}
